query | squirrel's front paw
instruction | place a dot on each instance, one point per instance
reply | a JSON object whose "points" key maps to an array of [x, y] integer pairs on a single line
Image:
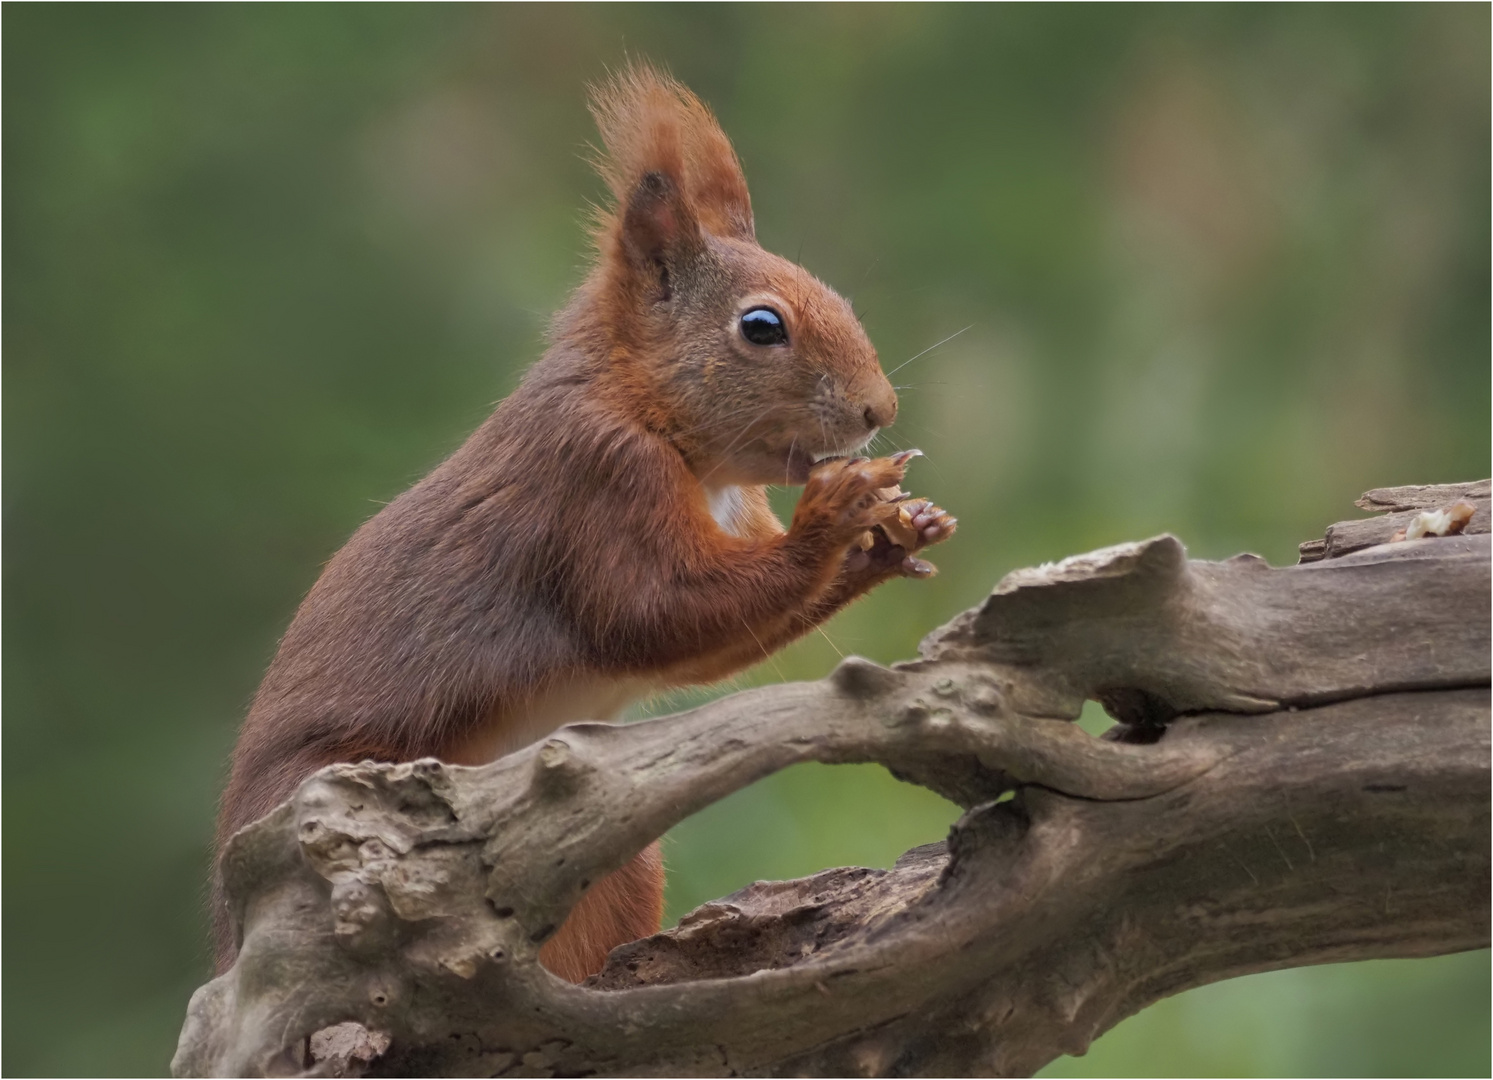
{"points": [[863, 503], [920, 524], [915, 523], [846, 493], [907, 525]]}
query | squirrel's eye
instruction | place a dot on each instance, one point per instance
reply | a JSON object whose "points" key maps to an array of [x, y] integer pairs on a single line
{"points": [[764, 326]]}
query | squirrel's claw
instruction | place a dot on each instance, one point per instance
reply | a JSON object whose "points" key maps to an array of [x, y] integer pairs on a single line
{"points": [[917, 568], [933, 524]]}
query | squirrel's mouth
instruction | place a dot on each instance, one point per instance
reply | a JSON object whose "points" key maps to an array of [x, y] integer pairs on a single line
{"points": [[799, 462]]}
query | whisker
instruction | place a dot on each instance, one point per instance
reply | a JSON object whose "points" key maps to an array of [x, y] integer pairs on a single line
{"points": [[710, 423], [732, 445], [832, 645], [765, 654], [927, 433], [928, 350]]}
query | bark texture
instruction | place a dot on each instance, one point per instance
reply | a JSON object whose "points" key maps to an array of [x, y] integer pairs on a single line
{"points": [[1300, 775]]}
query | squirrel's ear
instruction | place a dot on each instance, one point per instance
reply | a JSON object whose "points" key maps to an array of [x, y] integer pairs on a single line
{"points": [[658, 229], [671, 169]]}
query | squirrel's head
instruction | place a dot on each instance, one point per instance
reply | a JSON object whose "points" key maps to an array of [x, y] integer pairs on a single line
{"points": [[750, 365]]}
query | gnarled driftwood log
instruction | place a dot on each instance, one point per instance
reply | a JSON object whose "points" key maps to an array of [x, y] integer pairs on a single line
{"points": [[1300, 774]]}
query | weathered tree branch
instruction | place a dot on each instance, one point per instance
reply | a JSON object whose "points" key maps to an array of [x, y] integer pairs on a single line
{"points": [[1300, 775]]}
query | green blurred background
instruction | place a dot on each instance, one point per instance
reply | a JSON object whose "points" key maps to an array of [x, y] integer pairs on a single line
{"points": [[1223, 269]]}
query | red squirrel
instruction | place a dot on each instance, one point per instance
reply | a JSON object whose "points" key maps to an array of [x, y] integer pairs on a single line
{"points": [[605, 533]]}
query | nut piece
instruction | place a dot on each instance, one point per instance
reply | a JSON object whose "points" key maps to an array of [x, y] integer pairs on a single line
{"points": [[895, 519], [899, 528], [1448, 521]]}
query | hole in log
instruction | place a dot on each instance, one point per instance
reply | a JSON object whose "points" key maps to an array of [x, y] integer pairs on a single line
{"points": [[795, 823], [1135, 734], [1094, 719], [1136, 707]]}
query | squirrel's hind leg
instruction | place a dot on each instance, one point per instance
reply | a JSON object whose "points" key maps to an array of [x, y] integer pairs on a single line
{"points": [[625, 905]]}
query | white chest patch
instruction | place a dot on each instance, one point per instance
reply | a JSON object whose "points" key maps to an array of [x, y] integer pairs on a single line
{"points": [[520, 723], [726, 506]]}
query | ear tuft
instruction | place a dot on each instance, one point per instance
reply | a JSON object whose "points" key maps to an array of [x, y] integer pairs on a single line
{"points": [[652, 125]]}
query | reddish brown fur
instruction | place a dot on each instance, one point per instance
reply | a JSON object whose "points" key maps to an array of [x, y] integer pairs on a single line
{"points": [[565, 558]]}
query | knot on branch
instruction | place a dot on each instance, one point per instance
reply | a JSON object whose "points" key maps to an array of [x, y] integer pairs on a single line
{"points": [[558, 771]]}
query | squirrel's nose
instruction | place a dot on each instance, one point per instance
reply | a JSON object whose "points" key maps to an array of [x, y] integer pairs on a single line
{"points": [[881, 409]]}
